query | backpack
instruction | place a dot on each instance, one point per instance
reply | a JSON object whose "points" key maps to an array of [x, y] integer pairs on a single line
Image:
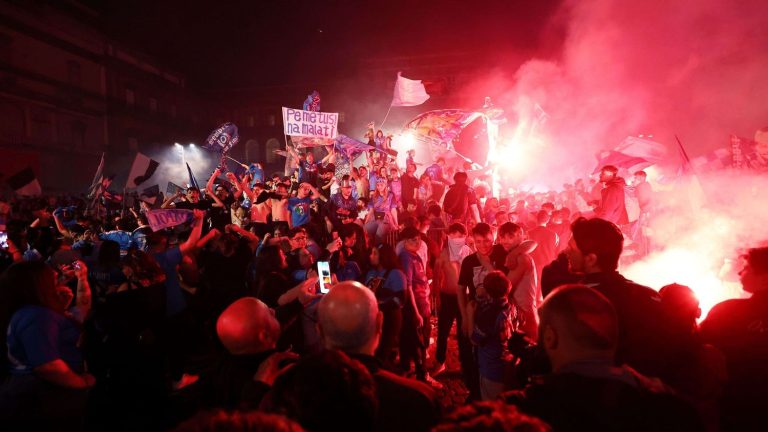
{"points": [[456, 201]]}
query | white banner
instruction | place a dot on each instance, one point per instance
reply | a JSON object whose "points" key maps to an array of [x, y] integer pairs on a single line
{"points": [[166, 218], [298, 122]]}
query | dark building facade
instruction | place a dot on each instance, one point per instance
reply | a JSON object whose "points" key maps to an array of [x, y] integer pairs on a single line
{"points": [[67, 93]]}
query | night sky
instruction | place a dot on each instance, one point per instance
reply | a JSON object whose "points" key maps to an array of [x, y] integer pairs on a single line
{"points": [[250, 43]]}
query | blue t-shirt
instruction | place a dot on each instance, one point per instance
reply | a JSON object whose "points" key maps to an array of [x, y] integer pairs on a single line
{"points": [[174, 297], [38, 335], [123, 238], [299, 208]]}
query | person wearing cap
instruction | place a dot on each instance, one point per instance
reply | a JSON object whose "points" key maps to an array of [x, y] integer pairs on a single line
{"points": [[343, 206], [382, 214], [612, 206]]}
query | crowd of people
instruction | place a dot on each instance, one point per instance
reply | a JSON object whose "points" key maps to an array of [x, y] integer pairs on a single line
{"points": [[228, 323]]}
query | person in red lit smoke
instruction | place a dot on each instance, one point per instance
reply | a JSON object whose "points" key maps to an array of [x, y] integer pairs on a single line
{"points": [[739, 328], [612, 207]]}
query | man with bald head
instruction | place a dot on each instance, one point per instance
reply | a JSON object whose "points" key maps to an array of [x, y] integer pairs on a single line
{"points": [[249, 331], [579, 331], [349, 320]]}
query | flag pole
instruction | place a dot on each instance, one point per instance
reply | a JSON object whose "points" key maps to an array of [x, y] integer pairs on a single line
{"points": [[385, 117], [236, 161]]}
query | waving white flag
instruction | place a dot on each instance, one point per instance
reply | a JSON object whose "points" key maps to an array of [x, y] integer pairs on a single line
{"points": [[409, 92]]}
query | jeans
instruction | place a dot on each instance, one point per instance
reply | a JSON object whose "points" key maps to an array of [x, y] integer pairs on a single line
{"points": [[390, 336], [414, 341], [449, 311]]}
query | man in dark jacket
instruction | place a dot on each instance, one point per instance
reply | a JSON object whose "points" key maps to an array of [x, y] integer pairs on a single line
{"points": [[350, 321], [591, 258], [612, 207], [249, 332], [739, 328], [460, 203], [579, 331]]}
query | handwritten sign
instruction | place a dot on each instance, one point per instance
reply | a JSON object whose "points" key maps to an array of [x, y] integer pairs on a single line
{"points": [[166, 218], [298, 122]]}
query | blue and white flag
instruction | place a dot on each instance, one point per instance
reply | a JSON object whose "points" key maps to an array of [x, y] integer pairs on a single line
{"points": [[166, 218], [223, 138]]}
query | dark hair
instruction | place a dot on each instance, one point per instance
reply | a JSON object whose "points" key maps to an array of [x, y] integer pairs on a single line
{"points": [[270, 260], [599, 237], [460, 177], [327, 391], [457, 227], [409, 233], [481, 229], [192, 189], [434, 210], [611, 169], [508, 229], [296, 230], [409, 221], [641, 173], [757, 258], [496, 284], [388, 257], [109, 254], [589, 317], [492, 416], [347, 230]]}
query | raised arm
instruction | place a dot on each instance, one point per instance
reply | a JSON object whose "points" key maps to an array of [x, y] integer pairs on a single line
{"points": [[189, 245], [253, 239], [209, 188], [317, 193], [238, 192], [167, 203], [83, 299]]}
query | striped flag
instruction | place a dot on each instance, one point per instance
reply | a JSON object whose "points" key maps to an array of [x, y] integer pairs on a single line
{"points": [[141, 170]]}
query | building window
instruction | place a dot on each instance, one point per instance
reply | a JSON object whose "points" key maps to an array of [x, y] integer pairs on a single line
{"points": [[133, 144], [130, 96], [271, 120], [153, 105], [341, 117], [73, 73], [173, 110], [251, 121], [272, 145]]}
